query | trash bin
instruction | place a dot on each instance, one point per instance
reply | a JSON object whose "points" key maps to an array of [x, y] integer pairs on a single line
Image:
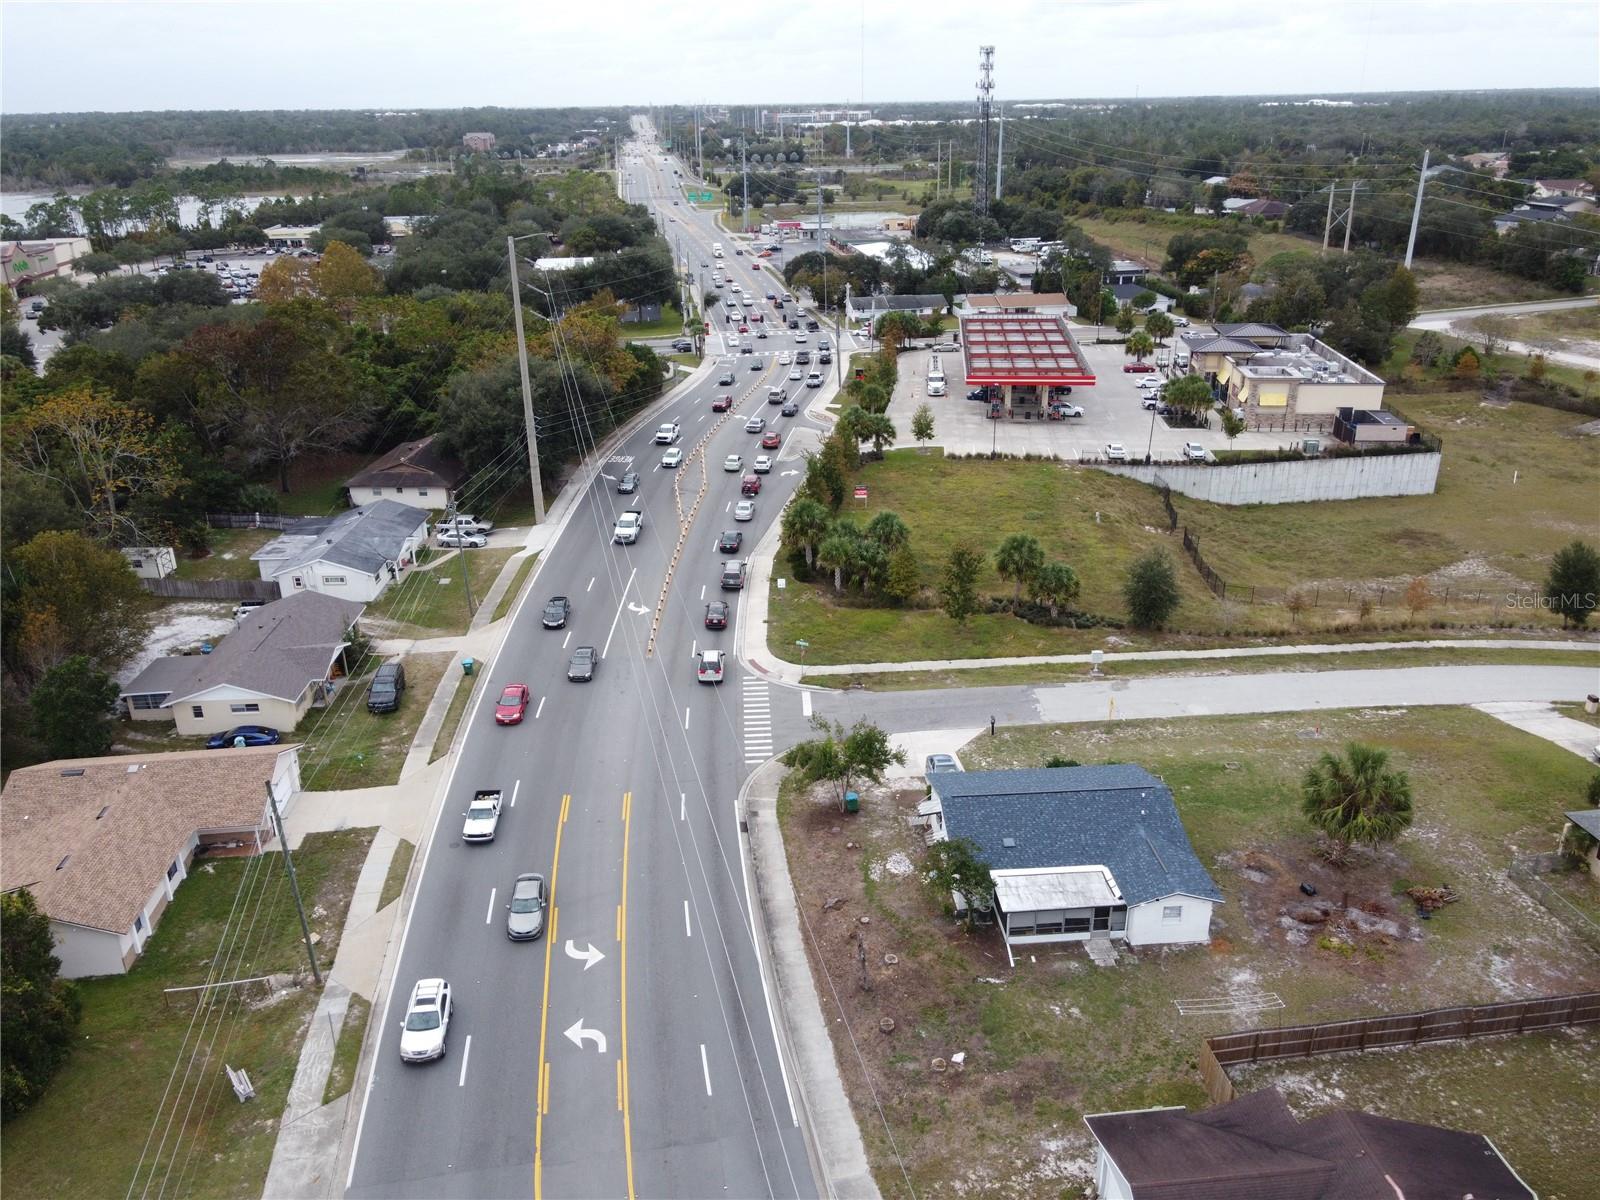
{"points": [[1591, 704], [468, 666], [852, 802]]}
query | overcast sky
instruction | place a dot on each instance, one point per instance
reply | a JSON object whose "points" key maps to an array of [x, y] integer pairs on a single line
{"points": [[447, 53]]}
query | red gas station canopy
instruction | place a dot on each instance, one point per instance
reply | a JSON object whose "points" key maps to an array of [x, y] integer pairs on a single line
{"points": [[1022, 349]]}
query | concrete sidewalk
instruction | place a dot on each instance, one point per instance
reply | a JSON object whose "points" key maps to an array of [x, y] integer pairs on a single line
{"points": [[1542, 720], [839, 1158]]}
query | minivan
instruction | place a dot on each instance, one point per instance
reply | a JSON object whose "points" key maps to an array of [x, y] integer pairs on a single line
{"points": [[383, 693]]}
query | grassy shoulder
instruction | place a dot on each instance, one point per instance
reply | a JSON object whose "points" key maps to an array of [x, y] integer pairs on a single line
{"points": [[1354, 660], [345, 746], [347, 1051], [452, 717], [514, 589], [1056, 1037], [432, 602], [130, 1037], [399, 867]]}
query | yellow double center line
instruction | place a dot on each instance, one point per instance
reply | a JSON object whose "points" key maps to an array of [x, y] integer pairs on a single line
{"points": [[542, 1099]]}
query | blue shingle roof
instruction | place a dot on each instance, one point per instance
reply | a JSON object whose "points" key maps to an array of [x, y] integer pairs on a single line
{"points": [[1118, 816]]}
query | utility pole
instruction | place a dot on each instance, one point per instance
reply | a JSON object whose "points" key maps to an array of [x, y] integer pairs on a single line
{"points": [[527, 388], [294, 884], [744, 211], [838, 339], [1327, 224], [822, 245], [1350, 217], [1416, 212], [980, 182], [1000, 158], [938, 167]]}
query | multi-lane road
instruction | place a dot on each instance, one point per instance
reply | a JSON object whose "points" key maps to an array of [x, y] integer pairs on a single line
{"points": [[631, 1051]]}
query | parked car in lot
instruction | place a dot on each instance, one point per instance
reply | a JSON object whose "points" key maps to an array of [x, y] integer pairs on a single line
{"points": [[581, 667], [1194, 452], [556, 611], [940, 764], [244, 735], [1150, 385], [730, 541], [386, 688], [1116, 452], [1149, 402], [672, 457], [512, 705], [745, 510], [525, 911], [709, 666], [426, 1031], [1063, 411], [717, 615], [461, 540], [1137, 368]]}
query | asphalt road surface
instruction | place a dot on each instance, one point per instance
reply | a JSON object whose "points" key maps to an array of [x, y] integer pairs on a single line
{"points": [[631, 1050]]}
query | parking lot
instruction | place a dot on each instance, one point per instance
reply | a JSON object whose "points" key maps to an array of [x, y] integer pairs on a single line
{"points": [[1112, 412]]}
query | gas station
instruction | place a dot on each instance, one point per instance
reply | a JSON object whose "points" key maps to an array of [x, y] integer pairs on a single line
{"points": [[1029, 361]]}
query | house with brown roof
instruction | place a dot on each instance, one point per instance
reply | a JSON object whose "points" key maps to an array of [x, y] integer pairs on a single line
{"points": [[103, 843], [1254, 1148], [416, 473]]}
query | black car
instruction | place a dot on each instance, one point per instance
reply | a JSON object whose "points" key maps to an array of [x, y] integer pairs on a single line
{"points": [[790, 409], [683, 346], [717, 615], [580, 669], [794, 323], [556, 611], [824, 356], [629, 483], [811, 324], [244, 735], [730, 541], [386, 688], [980, 393]]}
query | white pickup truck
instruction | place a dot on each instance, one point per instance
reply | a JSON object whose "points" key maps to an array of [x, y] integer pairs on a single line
{"points": [[628, 526], [667, 433], [482, 816]]}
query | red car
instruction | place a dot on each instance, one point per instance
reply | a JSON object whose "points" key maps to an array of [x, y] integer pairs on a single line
{"points": [[771, 441], [743, 328], [512, 705], [750, 485], [1136, 368], [722, 404]]}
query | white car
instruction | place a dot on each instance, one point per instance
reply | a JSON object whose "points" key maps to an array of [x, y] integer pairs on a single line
{"points": [[800, 336], [628, 526], [672, 458], [1116, 452], [783, 358], [709, 666], [797, 375], [762, 465], [745, 510], [461, 539], [482, 817], [1070, 410], [1194, 452], [755, 425], [426, 1031], [1150, 383], [667, 434], [734, 462]]}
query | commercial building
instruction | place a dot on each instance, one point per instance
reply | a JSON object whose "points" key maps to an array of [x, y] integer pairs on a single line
{"points": [[478, 143], [290, 237], [1279, 379], [103, 843], [45, 258], [1031, 360]]}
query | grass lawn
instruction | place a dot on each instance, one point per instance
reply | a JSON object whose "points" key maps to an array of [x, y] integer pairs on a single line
{"points": [[345, 746], [515, 588], [347, 1051], [130, 1039], [671, 323], [1146, 240], [896, 681], [230, 555], [1442, 284], [452, 717], [1056, 1037], [316, 484], [1475, 1085], [433, 602], [395, 881]]}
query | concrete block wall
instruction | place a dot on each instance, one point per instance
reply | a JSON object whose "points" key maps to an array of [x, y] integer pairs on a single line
{"points": [[1294, 482]]}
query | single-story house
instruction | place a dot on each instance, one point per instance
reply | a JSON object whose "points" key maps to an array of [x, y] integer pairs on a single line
{"points": [[1079, 852], [1244, 206], [1254, 1147], [151, 562], [1578, 189], [1125, 293], [413, 473], [870, 308], [354, 555], [103, 843], [282, 661], [1050, 304], [1588, 820], [1558, 209], [1124, 270]]}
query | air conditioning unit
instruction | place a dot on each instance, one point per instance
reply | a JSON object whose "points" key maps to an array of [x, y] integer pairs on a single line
{"points": [[1311, 447]]}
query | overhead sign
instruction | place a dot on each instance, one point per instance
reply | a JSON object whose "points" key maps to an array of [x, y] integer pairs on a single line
{"points": [[701, 197]]}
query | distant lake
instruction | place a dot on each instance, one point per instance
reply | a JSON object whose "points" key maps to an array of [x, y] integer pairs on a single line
{"points": [[16, 204]]}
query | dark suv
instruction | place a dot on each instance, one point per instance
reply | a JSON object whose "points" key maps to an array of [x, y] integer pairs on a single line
{"points": [[386, 688]]}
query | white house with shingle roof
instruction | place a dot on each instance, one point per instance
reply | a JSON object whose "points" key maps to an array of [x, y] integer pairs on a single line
{"points": [[103, 843], [353, 555], [282, 661]]}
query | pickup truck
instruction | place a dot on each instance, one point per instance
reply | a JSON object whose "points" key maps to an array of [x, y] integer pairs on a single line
{"points": [[463, 523], [667, 433], [628, 526], [482, 816]]}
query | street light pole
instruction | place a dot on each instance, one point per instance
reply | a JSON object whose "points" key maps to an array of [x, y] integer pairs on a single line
{"points": [[527, 387]]}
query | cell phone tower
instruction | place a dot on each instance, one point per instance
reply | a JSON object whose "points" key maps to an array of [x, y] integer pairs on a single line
{"points": [[981, 180]]}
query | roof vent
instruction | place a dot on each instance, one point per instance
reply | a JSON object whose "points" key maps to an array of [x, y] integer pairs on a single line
{"points": [[71, 772], [63, 861], [1008, 843], [102, 812]]}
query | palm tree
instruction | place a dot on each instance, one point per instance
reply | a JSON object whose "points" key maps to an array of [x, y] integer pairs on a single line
{"points": [[1053, 585], [1019, 558], [888, 530], [879, 430], [840, 553], [1356, 799], [1139, 345], [805, 522]]}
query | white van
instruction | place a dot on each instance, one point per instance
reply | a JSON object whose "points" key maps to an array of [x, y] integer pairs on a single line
{"points": [[716, 249]]}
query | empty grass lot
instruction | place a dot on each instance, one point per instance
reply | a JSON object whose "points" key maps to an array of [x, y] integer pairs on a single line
{"points": [[345, 746], [1057, 1037], [432, 602], [229, 557], [130, 1039]]}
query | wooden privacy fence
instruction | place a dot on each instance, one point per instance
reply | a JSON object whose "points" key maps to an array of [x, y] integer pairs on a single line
{"points": [[1217, 1054], [248, 520], [213, 589]]}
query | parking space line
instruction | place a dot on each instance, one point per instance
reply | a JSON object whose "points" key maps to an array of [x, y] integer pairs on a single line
{"points": [[466, 1053]]}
